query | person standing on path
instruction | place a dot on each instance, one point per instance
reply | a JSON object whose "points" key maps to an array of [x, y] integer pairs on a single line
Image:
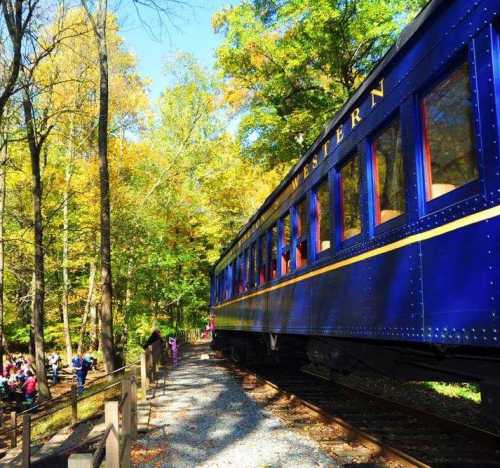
{"points": [[172, 341], [54, 361], [80, 367]]}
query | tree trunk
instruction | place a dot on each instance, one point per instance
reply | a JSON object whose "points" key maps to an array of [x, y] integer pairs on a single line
{"points": [[94, 321], [65, 314], [3, 169], [39, 267], [105, 248], [88, 303]]}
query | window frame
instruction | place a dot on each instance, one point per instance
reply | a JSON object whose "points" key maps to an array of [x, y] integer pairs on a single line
{"points": [[316, 253], [374, 204], [283, 248], [303, 236], [262, 263], [273, 240], [469, 189], [341, 243]]}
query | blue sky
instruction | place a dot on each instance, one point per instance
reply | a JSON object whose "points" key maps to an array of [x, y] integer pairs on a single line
{"points": [[191, 31]]}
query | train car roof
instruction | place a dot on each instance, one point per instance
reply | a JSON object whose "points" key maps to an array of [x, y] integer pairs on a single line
{"points": [[405, 36]]}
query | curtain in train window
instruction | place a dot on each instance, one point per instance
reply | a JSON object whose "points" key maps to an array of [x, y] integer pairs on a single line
{"points": [[388, 173], [302, 232], [323, 216], [285, 254], [263, 260], [449, 147], [274, 252], [350, 197]]}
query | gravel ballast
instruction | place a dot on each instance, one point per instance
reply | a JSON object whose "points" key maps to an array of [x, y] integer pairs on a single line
{"points": [[204, 418]]}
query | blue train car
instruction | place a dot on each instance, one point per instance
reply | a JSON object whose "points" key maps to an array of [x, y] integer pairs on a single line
{"points": [[382, 244]]}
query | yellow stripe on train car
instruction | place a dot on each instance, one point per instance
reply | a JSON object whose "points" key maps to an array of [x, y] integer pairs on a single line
{"points": [[435, 232]]}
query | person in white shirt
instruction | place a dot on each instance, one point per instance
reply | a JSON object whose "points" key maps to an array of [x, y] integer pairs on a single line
{"points": [[54, 360]]}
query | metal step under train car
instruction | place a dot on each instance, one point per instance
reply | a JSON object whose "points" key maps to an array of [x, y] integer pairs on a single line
{"points": [[382, 244]]}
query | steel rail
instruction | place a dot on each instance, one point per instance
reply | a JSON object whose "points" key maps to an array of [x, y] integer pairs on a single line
{"points": [[477, 433], [351, 431]]}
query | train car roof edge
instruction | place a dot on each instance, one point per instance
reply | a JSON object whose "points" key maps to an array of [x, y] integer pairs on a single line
{"points": [[406, 35]]}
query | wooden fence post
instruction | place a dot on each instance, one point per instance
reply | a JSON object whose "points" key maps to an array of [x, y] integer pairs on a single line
{"points": [[151, 363], [133, 404], [13, 434], [74, 404], [144, 374], [81, 460], [112, 416], [126, 423], [26, 441]]}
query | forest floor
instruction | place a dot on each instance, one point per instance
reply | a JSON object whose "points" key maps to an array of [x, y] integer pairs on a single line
{"points": [[204, 418]]}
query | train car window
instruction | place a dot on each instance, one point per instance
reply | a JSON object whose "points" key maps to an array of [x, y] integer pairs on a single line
{"points": [[217, 289], [285, 254], [221, 286], [254, 269], [234, 278], [263, 260], [239, 269], [229, 282], [302, 233], [246, 276], [322, 194], [388, 173], [448, 133], [274, 252], [350, 197]]}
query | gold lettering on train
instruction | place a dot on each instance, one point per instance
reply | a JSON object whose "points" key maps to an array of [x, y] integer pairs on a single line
{"points": [[377, 93], [340, 134], [355, 117], [325, 149]]}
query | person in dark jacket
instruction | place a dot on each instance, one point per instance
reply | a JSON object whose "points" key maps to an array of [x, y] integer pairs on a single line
{"points": [[81, 367], [155, 336]]}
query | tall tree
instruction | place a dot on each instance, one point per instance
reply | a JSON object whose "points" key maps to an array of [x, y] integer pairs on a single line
{"points": [[17, 15], [97, 13], [98, 18], [39, 80], [3, 185], [290, 65], [36, 140]]}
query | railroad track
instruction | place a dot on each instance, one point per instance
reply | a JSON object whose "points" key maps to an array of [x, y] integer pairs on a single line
{"points": [[355, 426]]}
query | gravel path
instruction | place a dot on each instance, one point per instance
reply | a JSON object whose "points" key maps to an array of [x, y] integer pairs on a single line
{"points": [[205, 419]]}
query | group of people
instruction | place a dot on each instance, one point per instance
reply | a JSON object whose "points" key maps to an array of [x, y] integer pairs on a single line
{"points": [[18, 379], [80, 364]]}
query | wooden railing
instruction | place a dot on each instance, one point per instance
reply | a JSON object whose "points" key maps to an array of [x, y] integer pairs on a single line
{"points": [[120, 419], [150, 359]]}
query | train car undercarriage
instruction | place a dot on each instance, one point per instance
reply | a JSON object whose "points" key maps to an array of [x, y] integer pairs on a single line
{"points": [[327, 357]]}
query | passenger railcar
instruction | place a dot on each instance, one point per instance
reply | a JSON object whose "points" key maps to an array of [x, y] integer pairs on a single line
{"points": [[382, 244]]}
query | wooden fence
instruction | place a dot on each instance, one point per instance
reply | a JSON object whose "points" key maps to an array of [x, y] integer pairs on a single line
{"points": [[118, 437], [120, 418]]}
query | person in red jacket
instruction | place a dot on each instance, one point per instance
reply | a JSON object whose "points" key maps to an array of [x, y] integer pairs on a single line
{"points": [[29, 387]]}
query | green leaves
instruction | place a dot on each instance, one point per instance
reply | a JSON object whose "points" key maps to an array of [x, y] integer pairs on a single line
{"points": [[289, 65]]}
